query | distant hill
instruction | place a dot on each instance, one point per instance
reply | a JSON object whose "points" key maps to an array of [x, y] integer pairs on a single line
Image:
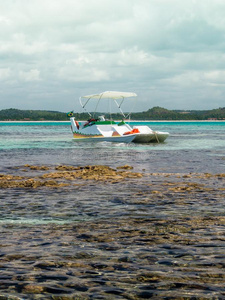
{"points": [[34, 115], [13, 114], [155, 113], [159, 113]]}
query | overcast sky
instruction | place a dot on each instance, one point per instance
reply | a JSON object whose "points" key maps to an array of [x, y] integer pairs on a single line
{"points": [[170, 52]]}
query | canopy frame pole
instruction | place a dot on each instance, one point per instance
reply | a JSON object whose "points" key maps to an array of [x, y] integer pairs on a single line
{"points": [[97, 105], [129, 114], [118, 98], [119, 106], [83, 105]]}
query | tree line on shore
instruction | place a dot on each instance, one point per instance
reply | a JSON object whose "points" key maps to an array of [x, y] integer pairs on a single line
{"points": [[155, 113]]}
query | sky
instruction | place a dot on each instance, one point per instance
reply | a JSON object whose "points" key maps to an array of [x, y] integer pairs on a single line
{"points": [[171, 53]]}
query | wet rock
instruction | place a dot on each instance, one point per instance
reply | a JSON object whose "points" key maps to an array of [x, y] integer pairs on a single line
{"points": [[63, 297], [114, 291], [5, 284], [57, 290], [77, 287], [126, 259], [99, 266], [57, 277], [125, 167], [84, 236], [66, 168], [165, 262], [20, 182], [69, 173], [97, 173], [83, 255], [45, 265], [145, 295], [33, 289], [43, 168], [100, 281]]}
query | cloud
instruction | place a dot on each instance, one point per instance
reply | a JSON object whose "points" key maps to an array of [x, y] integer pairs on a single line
{"points": [[31, 75], [170, 52], [4, 74]]}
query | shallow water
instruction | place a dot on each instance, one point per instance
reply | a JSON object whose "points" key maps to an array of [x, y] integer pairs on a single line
{"points": [[191, 147], [153, 237]]}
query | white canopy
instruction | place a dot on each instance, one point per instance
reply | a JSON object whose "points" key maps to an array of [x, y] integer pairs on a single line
{"points": [[112, 95]]}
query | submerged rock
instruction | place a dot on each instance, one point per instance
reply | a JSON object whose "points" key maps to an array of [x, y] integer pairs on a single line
{"points": [[66, 173], [160, 237], [33, 289], [125, 167]]}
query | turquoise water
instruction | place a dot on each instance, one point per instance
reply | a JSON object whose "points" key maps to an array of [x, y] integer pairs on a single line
{"points": [[191, 146]]}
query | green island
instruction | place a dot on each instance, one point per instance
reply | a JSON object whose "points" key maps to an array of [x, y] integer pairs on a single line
{"points": [[155, 113]]}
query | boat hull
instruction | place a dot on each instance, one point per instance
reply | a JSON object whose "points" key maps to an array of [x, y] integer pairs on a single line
{"points": [[115, 139], [156, 137], [147, 135]]}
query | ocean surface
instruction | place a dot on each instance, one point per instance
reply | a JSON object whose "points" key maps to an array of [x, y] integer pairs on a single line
{"points": [[191, 147], [84, 242]]}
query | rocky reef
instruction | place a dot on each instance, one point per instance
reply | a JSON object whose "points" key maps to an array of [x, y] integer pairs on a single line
{"points": [[97, 232], [65, 176]]}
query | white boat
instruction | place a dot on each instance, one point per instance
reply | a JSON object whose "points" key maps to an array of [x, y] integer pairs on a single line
{"points": [[99, 129]]}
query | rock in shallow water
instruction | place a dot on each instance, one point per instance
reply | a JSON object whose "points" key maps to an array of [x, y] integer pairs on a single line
{"points": [[139, 244], [66, 173]]}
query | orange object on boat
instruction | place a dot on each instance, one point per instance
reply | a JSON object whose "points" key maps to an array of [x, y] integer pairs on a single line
{"points": [[135, 130]]}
